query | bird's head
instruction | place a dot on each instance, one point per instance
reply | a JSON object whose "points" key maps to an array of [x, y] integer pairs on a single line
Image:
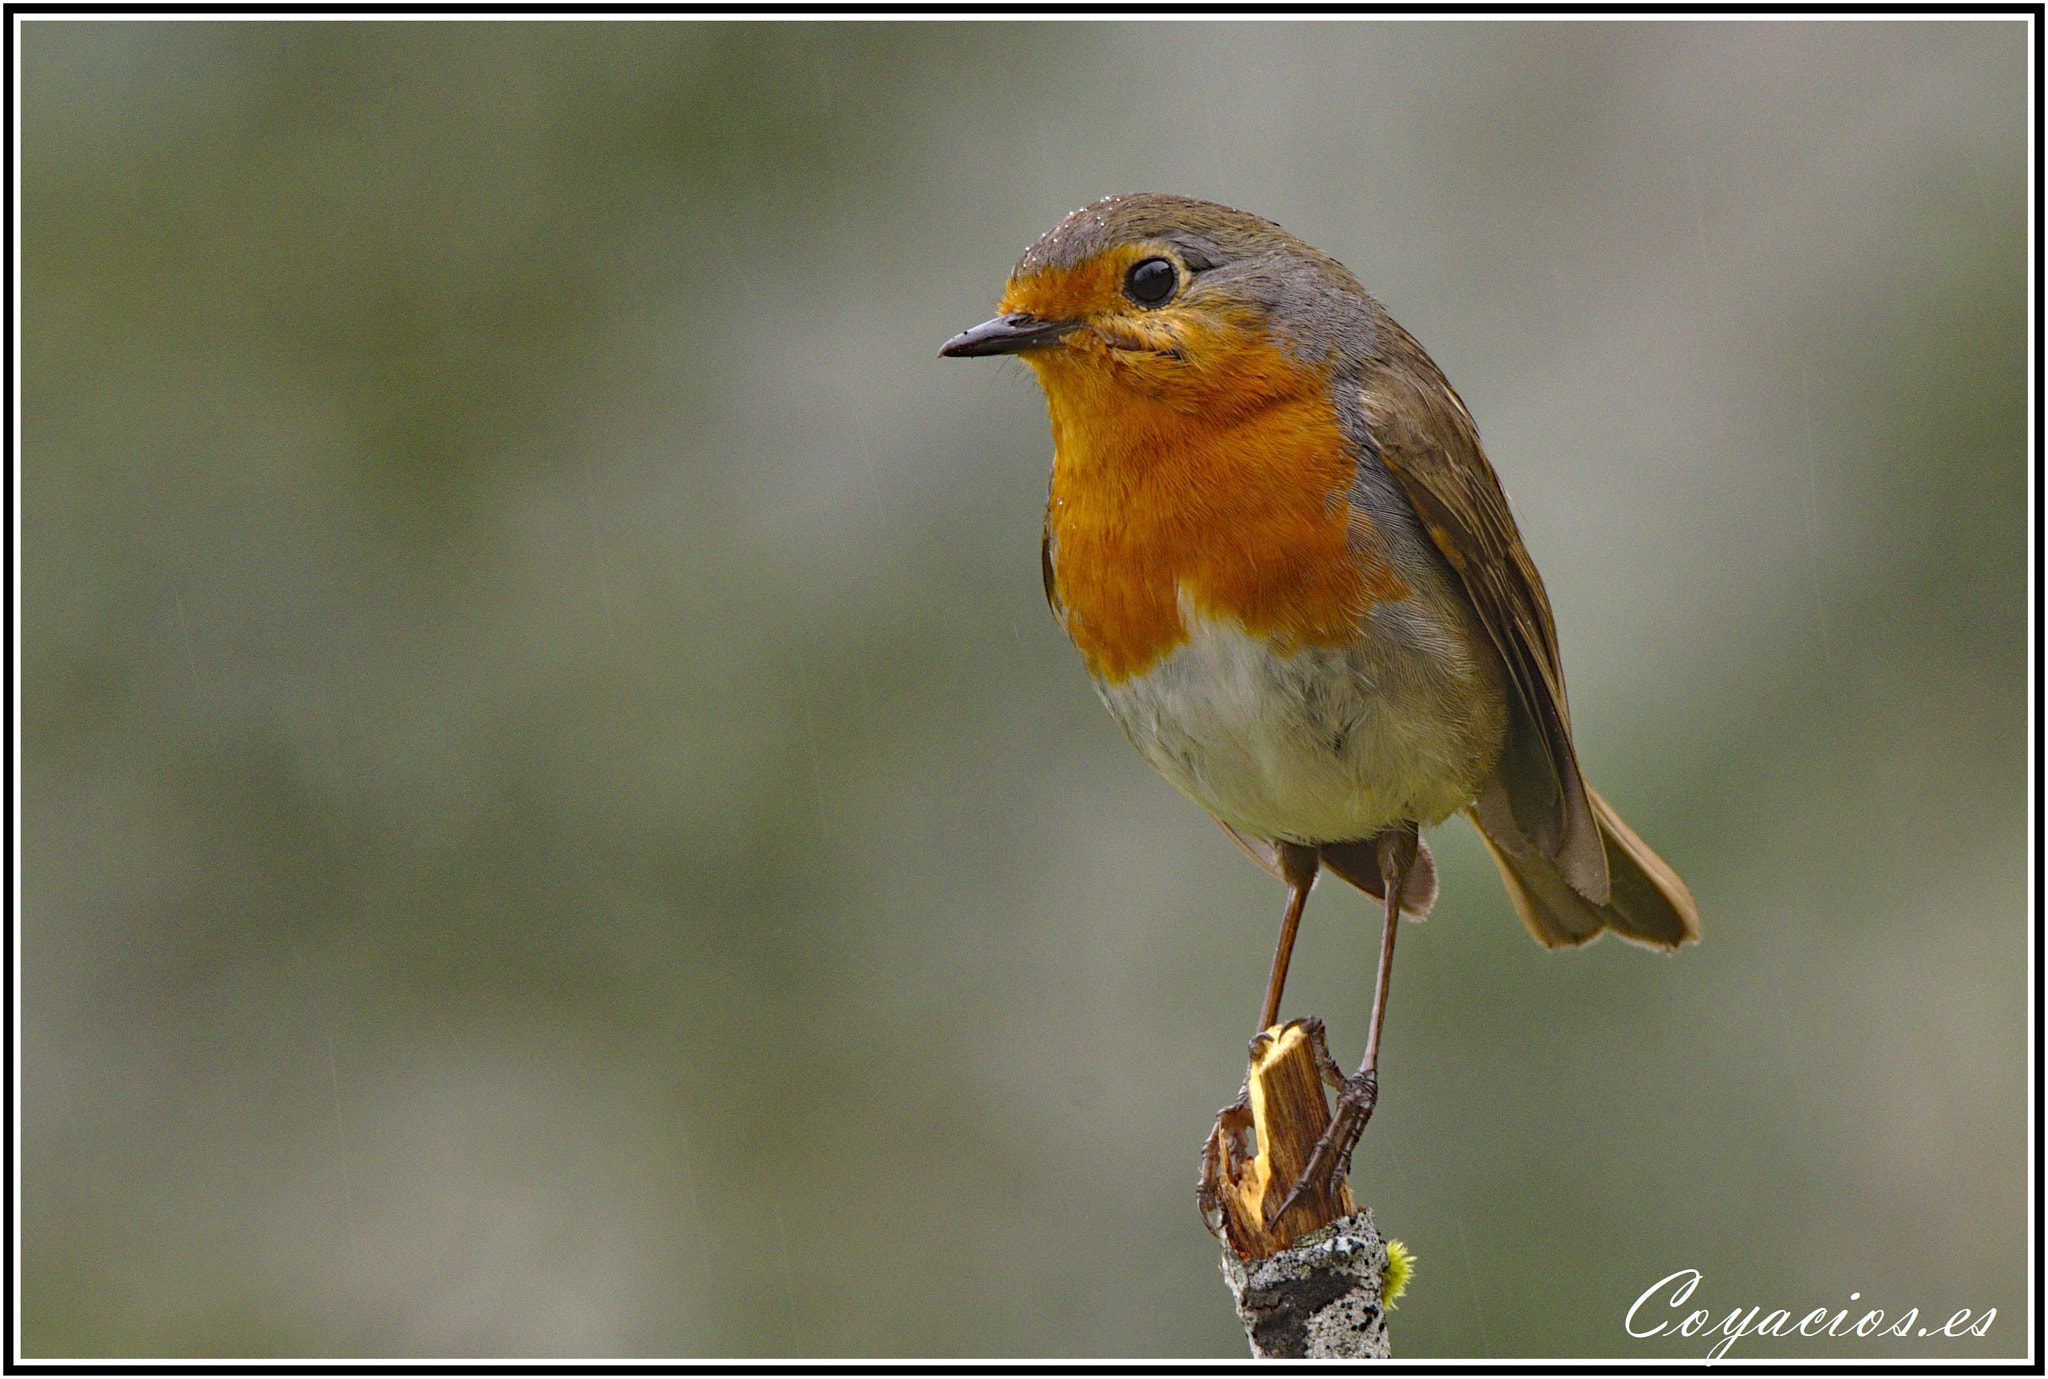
{"points": [[1183, 302]]}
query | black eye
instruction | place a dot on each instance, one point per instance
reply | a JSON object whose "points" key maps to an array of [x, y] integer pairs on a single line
{"points": [[1150, 281]]}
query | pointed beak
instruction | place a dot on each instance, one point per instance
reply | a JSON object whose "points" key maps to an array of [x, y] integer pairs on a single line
{"points": [[1008, 334]]}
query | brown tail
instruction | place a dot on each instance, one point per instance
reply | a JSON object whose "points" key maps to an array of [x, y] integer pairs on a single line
{"points": [[1647, 903]]}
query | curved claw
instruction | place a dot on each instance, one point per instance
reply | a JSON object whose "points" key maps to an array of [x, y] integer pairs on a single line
{"points": [[1209, 1186], [1208, 1198], [1330, 1161]]}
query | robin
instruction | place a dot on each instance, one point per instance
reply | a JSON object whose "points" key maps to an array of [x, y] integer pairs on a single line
{"points": [[1294, 581]]}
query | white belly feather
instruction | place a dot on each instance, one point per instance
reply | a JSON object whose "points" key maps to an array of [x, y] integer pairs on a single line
{"points": [[1322, 744]]}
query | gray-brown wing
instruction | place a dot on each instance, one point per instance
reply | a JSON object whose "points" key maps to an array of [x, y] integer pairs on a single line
{"points": [[1428, 441]]}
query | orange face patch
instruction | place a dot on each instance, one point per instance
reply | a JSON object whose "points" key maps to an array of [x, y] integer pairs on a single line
{"points": [[1089, 288], [1172, 351]]}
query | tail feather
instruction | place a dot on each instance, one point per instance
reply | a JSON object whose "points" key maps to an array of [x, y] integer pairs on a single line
{"points": [[1647, 903]]}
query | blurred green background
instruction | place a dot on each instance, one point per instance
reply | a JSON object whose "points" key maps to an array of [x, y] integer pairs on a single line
{"points": [[555, 821]]}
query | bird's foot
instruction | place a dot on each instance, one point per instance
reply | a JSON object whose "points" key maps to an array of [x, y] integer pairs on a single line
{"points": [[1233, 1123], [1231, 1140], [1329, 1163]]}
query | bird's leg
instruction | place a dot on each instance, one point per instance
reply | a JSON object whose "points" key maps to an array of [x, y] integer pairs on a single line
{"points": [[1330, 1160], [1298, 866]]}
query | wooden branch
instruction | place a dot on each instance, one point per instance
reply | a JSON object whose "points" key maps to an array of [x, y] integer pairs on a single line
{"points": [[1309, 1284], [1267, 1138], [1318, 1299]]}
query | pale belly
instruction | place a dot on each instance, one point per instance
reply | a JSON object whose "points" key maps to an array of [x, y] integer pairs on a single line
{"points": [[1320, 744]]}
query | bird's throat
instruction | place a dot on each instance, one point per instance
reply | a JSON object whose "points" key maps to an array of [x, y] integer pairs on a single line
{"points": [[1158, 510]]}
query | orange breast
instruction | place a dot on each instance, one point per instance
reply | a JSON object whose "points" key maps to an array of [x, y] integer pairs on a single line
{"points": [[1235, 503]]}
